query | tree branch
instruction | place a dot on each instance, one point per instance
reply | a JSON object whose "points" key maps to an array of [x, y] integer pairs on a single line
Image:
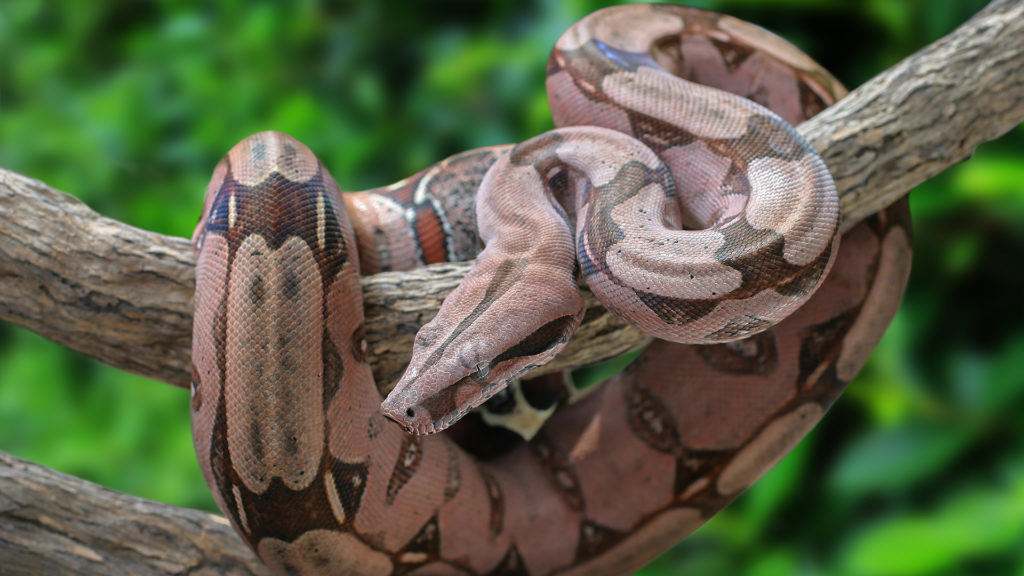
{"points": [[123, 295], [926, 113], [52, 523]]}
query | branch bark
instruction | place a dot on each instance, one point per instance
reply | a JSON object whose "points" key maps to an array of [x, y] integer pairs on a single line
{"points": [[52, 523], [123, 295]]}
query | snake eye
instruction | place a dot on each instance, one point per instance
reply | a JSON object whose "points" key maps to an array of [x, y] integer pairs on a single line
{"points": [[481, 371]]}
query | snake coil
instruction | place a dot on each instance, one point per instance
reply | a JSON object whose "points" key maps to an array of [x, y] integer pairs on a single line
{"points": [[696, 213]]}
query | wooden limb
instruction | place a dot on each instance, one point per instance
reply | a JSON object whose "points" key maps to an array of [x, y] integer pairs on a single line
{"points": [[52, 523], [926, 113], [123, 295]]}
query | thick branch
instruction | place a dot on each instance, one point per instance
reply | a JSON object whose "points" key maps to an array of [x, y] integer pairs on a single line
{"points": [[123, 295], [926, 113], [51, 523]]}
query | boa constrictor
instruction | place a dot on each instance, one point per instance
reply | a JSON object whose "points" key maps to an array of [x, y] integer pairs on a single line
{"points": [[697, 214]]}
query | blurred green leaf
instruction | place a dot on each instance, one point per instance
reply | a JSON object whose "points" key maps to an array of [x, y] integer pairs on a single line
{"points": [[972, 524], [775, 563], [894, 459], [1003, 385]]}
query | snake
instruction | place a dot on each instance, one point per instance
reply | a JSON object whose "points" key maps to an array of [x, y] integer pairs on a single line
{"points": [[674, 186]]}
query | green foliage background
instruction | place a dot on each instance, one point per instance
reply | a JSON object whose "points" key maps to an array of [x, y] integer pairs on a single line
{"points": [[918, 470]]}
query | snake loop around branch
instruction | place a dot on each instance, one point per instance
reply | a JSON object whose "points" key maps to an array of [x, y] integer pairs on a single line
{"points": [[695, 212]]}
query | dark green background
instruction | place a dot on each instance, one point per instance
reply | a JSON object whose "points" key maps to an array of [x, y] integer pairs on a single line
{"points": [[919, 469]]}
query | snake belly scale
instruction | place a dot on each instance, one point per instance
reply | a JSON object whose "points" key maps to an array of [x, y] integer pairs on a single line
{"points": [[696, 214]]}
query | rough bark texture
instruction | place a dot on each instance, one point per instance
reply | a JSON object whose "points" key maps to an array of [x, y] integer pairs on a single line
{"points": [[123, 295], [52, 523], [926, 113]]}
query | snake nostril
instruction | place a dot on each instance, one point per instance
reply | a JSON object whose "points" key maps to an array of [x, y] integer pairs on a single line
{"points": [[410, 412]]}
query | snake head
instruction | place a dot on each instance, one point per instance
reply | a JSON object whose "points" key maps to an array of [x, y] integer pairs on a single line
{"points": [[495, 326]]}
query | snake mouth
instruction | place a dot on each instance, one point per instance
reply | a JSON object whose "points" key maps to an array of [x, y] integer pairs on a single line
{"points": [[417, 420], [414, 420]]}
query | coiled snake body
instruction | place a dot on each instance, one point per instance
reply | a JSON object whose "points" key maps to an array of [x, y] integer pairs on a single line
{"points": [[695, 214]]}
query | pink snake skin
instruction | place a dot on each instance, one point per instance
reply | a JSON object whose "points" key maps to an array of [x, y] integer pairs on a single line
{"points": [[692, 212]]}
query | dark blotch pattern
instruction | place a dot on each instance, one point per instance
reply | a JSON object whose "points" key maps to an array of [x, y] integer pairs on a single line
{"points": [[257, 292], [290, 285], [511, 565], [658, 134], [760, 268], [740, 326], [349, 484], [278, 209], [560, 471], [287, 514], [632, 177], [359, 347], [694, 468], [821, 343], [440, 404], [652, 421], [757, 354], [425, 545], [552, 335], [676, 311], [497, 504], [595, 539], [409, 458], [803, 283], [334, 369], [734, 55]]}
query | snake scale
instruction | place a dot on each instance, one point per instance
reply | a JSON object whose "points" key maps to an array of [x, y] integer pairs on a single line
{"points": [[692, 212]]}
